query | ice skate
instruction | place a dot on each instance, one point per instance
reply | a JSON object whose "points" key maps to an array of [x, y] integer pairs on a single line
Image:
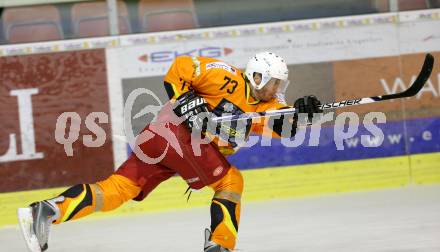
{"points": [[211, 246], [35, 222]]}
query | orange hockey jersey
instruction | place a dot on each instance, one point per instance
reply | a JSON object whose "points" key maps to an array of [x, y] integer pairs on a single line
{"points": [[223, 86]]}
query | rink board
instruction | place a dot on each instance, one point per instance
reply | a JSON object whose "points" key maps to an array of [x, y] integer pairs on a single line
{"points": [[413, 136], [269, 183], [325, 57]]}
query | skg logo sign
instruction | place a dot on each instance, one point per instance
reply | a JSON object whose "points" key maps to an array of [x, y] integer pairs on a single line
{"points": [[169, 56]]}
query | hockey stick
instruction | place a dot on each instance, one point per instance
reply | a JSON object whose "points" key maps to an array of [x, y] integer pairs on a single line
{"points": [[411, 91]]}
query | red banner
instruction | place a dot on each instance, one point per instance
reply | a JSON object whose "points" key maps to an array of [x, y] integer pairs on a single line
{"points": [[35, 90]]}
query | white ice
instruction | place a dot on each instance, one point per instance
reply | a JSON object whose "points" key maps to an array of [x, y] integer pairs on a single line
{"points": [[405, 219]]}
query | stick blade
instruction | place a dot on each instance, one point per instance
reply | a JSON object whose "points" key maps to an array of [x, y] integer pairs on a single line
{"points": [[420, 81], [424, 74]]}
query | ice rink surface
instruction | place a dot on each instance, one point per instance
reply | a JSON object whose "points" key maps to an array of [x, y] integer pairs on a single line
{"points": [[405, 219]]}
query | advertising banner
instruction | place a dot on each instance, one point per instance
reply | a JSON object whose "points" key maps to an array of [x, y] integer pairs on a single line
{"points": [[388, 75], [397, 139], [62, 102], [39, 147]]}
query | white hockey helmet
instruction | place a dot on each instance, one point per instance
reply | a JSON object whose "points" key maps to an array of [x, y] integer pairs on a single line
{"points": [[269, 65]]}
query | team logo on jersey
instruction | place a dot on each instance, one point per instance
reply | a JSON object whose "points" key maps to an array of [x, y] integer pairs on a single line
{"points": [[169, 56], [235, 131]]}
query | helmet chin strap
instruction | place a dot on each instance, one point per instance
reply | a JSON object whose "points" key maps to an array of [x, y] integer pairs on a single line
{"points": [[250, 92]]}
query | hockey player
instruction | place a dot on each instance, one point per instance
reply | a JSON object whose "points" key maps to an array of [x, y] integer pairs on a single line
{"points": [[194, 85]]}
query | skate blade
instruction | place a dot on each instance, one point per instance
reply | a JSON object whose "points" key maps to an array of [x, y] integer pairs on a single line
{"points": [[26, 221]]}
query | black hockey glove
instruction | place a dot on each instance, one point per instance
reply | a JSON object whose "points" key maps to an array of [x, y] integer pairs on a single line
{"points": [[278, 126], [309, 105], [190, 106]]}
